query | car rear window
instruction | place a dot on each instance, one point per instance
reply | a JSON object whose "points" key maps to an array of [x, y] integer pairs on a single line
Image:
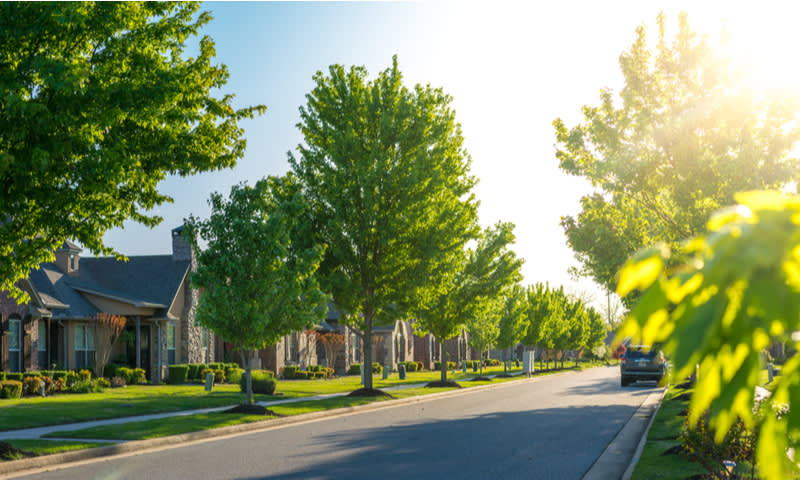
{"points": [[640, 354]]}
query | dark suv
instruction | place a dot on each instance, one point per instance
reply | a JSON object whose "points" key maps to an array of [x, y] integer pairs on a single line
{"points": [[641, 362]]}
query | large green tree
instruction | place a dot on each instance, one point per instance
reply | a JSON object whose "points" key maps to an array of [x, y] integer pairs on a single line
{"points": [[681, 138], [480, 275], [387, 175], [98, 103], [257, 274]]}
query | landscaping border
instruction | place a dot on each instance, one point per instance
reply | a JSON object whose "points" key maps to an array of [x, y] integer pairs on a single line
{"points": [[47, 462]]}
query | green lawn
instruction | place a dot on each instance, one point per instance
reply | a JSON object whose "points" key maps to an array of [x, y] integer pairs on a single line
{"points": [[47, 447]]}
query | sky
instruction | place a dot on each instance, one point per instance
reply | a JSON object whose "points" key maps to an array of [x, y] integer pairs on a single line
{"points": [[511, 68]]}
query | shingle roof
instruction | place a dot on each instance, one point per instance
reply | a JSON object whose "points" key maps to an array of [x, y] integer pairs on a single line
{"points": [[151, 280]]}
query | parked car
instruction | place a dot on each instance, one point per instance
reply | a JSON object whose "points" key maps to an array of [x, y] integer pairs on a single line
{"points": [[641, 362]]}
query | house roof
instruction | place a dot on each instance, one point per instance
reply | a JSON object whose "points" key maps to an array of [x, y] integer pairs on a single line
{"points": [[150, 281]]}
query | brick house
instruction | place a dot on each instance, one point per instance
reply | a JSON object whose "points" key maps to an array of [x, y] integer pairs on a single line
{"points": [[152, 292]]}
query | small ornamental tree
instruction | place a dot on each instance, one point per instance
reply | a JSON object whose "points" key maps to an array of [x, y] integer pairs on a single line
{"points": [[333, 344], [108, 328], [99, 102], [482, 328], [513, 321], [481, 273], [257, 276]]}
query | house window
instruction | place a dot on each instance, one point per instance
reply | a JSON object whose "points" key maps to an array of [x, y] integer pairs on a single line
{"points": [[42, 344], [356, 349], [171, 331], [84, 347], [72, 262], [290, 350], [401, 347], [15, 344]]}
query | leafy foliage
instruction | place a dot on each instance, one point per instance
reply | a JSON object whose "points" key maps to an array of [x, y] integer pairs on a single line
{"points": [[387, 176], [255, 296], [99, 103], [682, 137], [738, 291]]}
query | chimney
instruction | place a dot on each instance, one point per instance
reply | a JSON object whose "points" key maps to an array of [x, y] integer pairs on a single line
{"points": [[68, 258], [181, 249]]}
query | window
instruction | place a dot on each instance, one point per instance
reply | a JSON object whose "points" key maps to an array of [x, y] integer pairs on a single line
{"points": [[290, 350], [171, 331], [72, 262], [15, 345], [84, 347], [42, 345], [356, 349]]}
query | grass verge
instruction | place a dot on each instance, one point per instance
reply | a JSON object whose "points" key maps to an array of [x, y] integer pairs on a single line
{"points": [[48, 447]]}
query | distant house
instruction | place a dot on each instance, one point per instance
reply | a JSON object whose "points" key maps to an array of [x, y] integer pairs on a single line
{"points": [[57, 326]]}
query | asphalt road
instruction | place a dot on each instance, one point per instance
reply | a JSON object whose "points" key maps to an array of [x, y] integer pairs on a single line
{"points": [[551, 428]]}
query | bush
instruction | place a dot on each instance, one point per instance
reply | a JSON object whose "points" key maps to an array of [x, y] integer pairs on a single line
{"points": [[178, 374], [110, 370], [86, 387], [698, 440], [49, 385], [103, 382], [263, 382], [290, 372], [492, 362], [117, 382], [71, 378], [450, 365], [219, 375], [410, 366], [216, 366], [126, 373], [234, 374], [200, 368], [2, 376], [10, 389], [84, 375], [30, 385], [194, 372], [355, 369], [16, 376], [377, 368]]}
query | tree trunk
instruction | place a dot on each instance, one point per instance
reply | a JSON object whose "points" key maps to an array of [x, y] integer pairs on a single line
{"points": [[505, 361], [443, 361], [481, 365], [367, 365], [248, 365]]}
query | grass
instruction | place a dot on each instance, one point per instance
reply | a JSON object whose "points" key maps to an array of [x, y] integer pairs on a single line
{"points": [[48, 447]]}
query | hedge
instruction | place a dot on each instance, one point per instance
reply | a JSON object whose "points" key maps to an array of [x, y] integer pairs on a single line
{"points": [[263, 382], [234, 374], [438, 365], [492, 362], [178, 374], [10, 389], [17, 376], [412, 366]]}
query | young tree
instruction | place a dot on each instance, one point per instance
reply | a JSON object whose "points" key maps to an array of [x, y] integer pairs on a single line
{"points": [[738, 292], [482, 328], [513, 321], [107, 330], [387, 176], [682, 137], [259, 284], [99, 103], [332, 343], [482, 273]]}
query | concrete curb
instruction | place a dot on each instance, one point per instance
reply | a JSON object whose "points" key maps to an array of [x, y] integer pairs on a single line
{"points": [[140, 446], [634, 432]]}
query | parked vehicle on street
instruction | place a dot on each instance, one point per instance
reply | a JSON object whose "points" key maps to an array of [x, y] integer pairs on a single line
{"points": [[641, 362]]}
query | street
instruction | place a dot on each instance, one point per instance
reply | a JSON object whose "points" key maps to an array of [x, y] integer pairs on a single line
{"points": [[552, 428]]}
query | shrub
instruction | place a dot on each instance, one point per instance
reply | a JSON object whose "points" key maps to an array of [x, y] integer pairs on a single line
{"points": [[194, 371], [355, 369], [698, 441], [30, 385], [86, 387], [200, 368], [2, 376], [103, 382], [10, 389], [216, 366], [450, 365], [410, 366], [49, 384], [17, 376], [139, 377], [110, 370], [126, 373], [117, 382], [178, 374], [205, 372], [263, 382], [219, 375], [71, 378], [290, 372], [59, 375], [32, 374], [233, 374], [59, 385], [376, 368], [84, 375], [303, 375]]}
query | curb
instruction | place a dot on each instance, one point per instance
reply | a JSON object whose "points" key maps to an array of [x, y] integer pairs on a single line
{"points": [[629, 471], [175, 441], [607, 464]]}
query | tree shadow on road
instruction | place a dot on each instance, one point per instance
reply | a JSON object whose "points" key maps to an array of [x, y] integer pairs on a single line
{"points": [[605, 387], [558, 443]]}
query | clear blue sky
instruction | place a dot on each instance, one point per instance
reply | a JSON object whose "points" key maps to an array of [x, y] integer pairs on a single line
{"points": [[511, 67]]}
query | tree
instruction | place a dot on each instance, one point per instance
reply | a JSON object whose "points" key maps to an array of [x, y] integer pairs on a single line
{"points": [[100, 103], [331, 343], [387, 176], [681, 139], [738, 291], [259, 284], [107, 328], [482, 328], [482, 273], [513, 321]]}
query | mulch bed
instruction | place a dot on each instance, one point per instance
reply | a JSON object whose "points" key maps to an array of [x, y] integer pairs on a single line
{"points": [[445, 384], [251, 410], [504, 375], [481, 379], [10, 452], [368, 392]]}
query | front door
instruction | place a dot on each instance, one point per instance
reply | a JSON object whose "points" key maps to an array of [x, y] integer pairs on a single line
{"points": [[144, 350]]}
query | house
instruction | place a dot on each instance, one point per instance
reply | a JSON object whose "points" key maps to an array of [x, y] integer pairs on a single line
{"points": [[393, 343], [152, 292], [296, 348], [427, 349]]}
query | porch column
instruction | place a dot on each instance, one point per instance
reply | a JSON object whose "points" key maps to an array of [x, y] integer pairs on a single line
{"points": [[138, 342]]}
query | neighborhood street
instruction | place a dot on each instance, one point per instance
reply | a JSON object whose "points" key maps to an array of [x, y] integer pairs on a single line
{"points": [[553, 427]]}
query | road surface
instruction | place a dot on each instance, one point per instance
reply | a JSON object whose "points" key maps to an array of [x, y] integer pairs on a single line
{"points": [[554, 427]]}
